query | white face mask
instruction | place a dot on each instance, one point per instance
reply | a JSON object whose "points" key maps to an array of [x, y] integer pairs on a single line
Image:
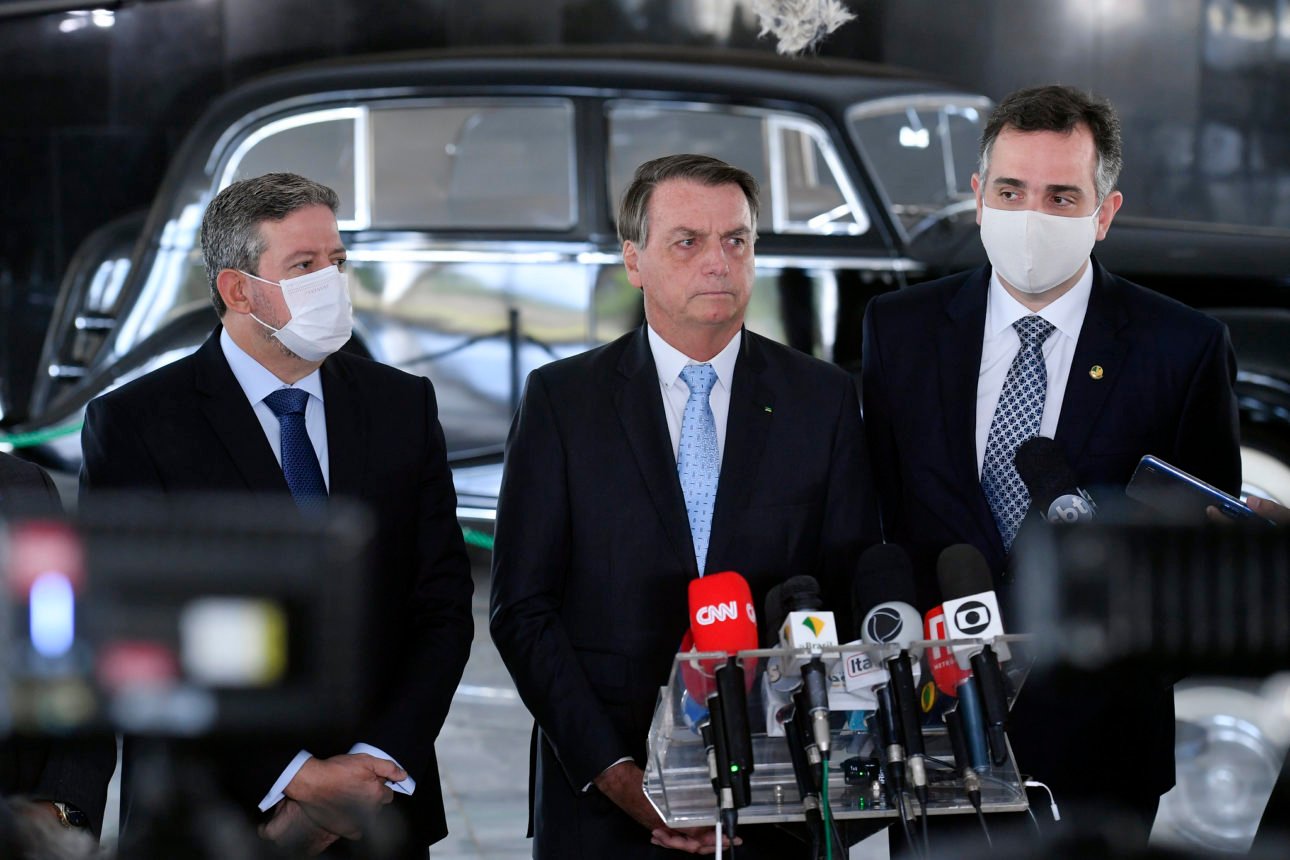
{"points": [[1034, 251], [322, 318]]}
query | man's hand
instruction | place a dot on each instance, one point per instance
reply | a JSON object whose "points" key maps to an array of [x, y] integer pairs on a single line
{"points": [[624, 784], [1277, 513], [1263, 507], [293, 831], [343, 793]]}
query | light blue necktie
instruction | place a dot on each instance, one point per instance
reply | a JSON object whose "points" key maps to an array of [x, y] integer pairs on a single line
{"points": [[1016, 419], [299, 462], [698, 460]]}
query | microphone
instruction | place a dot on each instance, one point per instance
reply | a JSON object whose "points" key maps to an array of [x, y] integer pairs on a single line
{"points": [[722, 618], [972, 611], [805, 627], [885, 570], [954, 681], [1044, 469]]}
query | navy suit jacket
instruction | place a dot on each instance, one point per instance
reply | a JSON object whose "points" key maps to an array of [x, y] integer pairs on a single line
{"points": [[188, 427], [593, 553], [1166, 388]]}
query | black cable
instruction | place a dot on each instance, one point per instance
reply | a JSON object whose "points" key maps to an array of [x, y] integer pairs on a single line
{"points": [[986, 830], [927, 844]]}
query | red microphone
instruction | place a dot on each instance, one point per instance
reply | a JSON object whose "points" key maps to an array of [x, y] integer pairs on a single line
{"points": [[945, 669], [722, 618]]}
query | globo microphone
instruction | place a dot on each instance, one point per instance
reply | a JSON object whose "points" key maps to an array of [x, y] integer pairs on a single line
{"points": [[954, 681], [972, 611], [1047, 474]]}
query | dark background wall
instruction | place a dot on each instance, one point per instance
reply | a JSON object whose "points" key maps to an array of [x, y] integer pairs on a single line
{"points": [[93, 112]]}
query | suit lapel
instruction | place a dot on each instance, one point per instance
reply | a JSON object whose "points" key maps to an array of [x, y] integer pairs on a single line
{"points": [[1103, 344], [347, 449], [959, 350], [639, 403], [747, 426], [225, 407]]}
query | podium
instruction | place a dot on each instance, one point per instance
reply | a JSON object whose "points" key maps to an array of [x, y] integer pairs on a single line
{"points": [[677, 779]]}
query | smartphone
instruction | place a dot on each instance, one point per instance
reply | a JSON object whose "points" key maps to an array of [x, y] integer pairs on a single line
{"points": [[1172, 491]]}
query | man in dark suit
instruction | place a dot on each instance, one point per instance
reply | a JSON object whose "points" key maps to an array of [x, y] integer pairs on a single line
{"points": [[267, 406], [66, 780], [1044, 341], [605, 517]]}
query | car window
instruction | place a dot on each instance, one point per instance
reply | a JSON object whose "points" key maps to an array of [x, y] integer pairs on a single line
{"points": [[804, 188], [455, 165], [319, 144], [922, 153], [461, 164]]}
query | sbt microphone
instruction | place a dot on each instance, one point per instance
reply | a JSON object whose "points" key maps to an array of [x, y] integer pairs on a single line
{"points": [[1048, 476], [722, 618], [972, 612]]}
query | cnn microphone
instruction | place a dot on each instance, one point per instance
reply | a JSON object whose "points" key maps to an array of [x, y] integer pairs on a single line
{"points": [[972, 611], [722, 619], [1047, 474]]}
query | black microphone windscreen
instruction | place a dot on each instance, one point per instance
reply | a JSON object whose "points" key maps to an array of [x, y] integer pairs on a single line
{"points": [[884, 574], [800, 593], [1044, 469], [962, 570], [773, 618]]}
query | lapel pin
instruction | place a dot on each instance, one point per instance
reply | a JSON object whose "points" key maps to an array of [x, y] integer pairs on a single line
{"points": [[767, 409], [1095, 371]]}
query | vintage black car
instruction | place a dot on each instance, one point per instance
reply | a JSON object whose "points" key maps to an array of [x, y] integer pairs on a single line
{"points": [[478, 194]]}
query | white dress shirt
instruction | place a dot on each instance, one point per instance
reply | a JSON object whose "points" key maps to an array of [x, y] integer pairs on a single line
{"points": [[670, 361], [258, 383], [1000, 344]]}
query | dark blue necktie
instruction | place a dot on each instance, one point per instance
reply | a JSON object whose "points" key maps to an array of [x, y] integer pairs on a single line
{"points": [[1016, 419], [299, 462]]}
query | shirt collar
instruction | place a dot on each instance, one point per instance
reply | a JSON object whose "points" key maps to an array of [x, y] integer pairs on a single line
{"points": [[669, 360], [1066, 313], [256, 381]]}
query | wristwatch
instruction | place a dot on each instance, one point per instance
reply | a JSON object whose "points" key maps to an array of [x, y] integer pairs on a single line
{"points": [[70, 816]]}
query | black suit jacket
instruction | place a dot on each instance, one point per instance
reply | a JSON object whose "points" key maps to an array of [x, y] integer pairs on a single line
{"points": [[593, 554], [1166, 389], [188, 427], [70, 771]]}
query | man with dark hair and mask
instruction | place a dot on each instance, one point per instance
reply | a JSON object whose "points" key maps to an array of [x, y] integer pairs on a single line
{"points": [[268, 406], [1044, 341]]}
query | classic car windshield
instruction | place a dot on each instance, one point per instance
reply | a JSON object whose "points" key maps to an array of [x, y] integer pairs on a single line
{"points": [[804, 189], [922, 152]]}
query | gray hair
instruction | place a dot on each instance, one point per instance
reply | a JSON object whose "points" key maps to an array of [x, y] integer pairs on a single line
{"points": [[1060, 109], [633, 213], [230, 235]]}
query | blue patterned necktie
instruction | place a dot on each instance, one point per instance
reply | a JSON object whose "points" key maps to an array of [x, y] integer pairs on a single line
{"points": [[299, 462], [698, 460], [1016, 419]]}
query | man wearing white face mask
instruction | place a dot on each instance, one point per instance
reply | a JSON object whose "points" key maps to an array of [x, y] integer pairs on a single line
{"points": [[960, 371], [268, 405]]}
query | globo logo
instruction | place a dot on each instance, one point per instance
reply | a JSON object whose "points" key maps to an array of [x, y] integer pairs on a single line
{"points": [[972, 618]]}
